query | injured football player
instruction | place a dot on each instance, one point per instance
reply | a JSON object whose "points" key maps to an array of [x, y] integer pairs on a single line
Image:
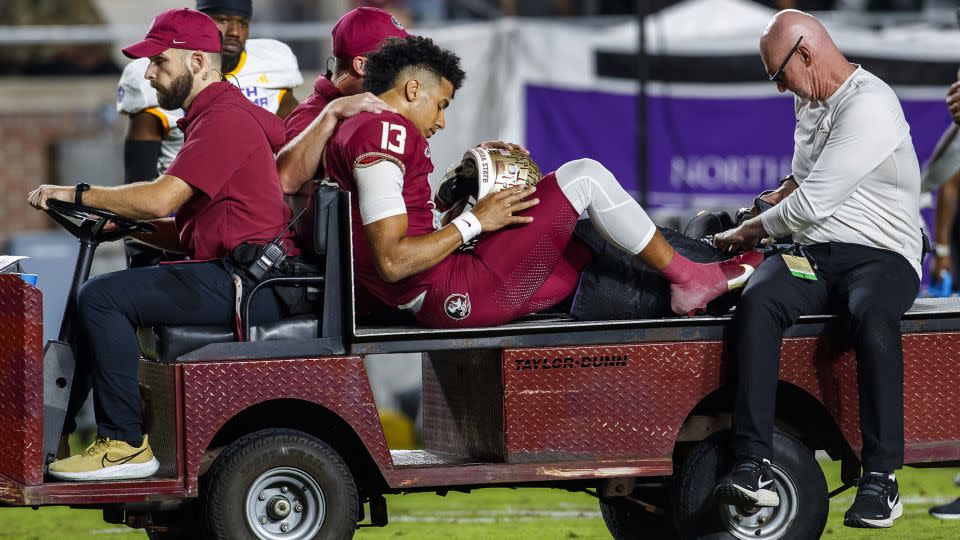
{"points": [[526, 258]]}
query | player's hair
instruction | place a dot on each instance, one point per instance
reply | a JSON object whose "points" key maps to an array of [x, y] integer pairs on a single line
{"points": [[398, 55]]}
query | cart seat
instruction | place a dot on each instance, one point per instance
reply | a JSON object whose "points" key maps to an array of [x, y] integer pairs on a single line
{"points": [[330, 213]]}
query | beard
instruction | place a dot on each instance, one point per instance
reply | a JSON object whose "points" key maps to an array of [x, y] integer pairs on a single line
{"points": [[173, 98]]}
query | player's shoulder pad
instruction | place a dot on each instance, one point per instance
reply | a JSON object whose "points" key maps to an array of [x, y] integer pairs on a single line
{"points": [[276, 60], [386, 135], [134, 93]]}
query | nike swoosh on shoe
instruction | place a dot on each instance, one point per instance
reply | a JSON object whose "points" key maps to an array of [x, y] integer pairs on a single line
{"points": [[120, 461], [740, 280]]}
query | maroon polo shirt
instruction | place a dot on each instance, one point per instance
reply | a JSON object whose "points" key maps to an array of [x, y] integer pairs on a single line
{"points": [[227, 157], [324, 92]]}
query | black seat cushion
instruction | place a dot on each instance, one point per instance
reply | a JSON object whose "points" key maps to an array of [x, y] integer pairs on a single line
{"points": [[165, 344]]}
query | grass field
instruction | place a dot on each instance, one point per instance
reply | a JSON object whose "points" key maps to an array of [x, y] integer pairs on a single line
{"points": [[526, 514]]}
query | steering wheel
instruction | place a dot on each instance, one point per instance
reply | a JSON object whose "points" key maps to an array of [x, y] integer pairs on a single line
{"points": [[92, 229]]}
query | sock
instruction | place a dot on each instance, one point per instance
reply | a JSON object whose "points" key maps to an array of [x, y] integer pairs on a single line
{"points": [[680, 269]]}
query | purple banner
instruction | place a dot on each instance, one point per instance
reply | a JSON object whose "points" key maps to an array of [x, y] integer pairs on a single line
{"points": [[700, 149]]}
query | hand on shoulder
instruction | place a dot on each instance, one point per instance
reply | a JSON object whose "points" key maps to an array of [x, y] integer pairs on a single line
{"points": [[345, 107]]}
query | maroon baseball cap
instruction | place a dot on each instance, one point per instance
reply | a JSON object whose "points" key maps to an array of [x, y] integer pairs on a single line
{"points": [[182, 28], [362, 30]]}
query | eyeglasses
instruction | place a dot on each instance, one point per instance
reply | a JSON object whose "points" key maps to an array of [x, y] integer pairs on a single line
{"points": [[778, 76]]}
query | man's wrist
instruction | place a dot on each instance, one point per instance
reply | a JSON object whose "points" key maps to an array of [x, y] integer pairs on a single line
{"points": [[468, 225], [942, 250]]}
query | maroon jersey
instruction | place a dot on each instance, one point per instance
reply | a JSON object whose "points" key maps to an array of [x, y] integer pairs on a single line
{"points": [[366, 139], [324, 92]]}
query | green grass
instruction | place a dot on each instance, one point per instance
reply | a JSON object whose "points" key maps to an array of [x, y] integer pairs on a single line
{"points": [[524, 513]]}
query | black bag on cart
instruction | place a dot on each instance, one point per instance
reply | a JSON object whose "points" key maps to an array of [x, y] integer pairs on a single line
{"points": [[617, 286]]}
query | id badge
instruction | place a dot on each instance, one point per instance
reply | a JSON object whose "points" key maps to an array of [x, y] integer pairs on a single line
{"points": [[799, 267]]}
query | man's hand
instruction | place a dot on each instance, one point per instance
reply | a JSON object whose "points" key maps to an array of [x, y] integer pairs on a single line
{"points": [[740, 238], [495, 211], [346, 107], [953, 102], [503, 145], [38, 198]]}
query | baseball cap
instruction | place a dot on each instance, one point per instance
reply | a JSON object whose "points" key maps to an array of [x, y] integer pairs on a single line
{"points": [[182, 28], [242, 8], [362, 30]]}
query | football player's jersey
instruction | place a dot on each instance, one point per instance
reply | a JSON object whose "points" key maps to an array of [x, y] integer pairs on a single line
{"points": [[366, 139], [267, 69]]}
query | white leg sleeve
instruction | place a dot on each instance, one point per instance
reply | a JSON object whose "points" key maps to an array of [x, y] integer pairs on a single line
{"points": [[589, 186]]}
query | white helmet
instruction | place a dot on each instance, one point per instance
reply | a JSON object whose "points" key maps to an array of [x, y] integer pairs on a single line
{"points": [[499, 169]]}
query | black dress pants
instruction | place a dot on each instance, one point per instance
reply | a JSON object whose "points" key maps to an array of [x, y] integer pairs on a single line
{"points": [[112, 306], [870, 289]]}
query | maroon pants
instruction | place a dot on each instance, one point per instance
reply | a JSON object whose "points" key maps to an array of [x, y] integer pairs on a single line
{"points": [[512, 272]]}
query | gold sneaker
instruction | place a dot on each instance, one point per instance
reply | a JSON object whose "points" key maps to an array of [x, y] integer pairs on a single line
{"points": [[107, 459]]}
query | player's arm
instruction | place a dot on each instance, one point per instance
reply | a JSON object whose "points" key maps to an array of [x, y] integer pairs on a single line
{"points": [[140, 200], [398, 255], [141, 148], [287, 103], [299, 160]]}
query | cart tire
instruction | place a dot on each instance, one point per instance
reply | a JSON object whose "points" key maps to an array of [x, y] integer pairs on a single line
{"points": [[627, 520], [280, 483], [798, 477]]}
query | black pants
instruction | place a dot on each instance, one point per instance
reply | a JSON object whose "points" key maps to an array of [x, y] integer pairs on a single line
{"points": [[871, 289], [112, 306]]}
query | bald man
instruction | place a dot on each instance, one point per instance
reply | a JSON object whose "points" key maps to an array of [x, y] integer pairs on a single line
{"points": [[855, 217]]}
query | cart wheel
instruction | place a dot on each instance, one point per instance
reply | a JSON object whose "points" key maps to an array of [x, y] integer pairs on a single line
{"points": [[798, 478], [280, 484], [627, 520]]}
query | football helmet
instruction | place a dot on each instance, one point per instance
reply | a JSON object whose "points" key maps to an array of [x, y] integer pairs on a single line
{"points": [[486, 170]]}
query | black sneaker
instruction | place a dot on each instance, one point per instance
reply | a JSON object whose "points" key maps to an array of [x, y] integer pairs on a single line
{"points": [[877, 503], [750, 483], [947, 511]]}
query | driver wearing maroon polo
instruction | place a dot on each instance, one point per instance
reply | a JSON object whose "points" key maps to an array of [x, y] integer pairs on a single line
{"points": [[223, 187]]}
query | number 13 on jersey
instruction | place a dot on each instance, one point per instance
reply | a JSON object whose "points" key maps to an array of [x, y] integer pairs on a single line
{"points": [[393, 138]]}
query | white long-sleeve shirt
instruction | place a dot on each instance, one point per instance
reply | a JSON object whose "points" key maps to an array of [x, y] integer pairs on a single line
{"points": [[857, 170]]}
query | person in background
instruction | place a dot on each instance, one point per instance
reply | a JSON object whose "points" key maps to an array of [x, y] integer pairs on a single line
{"points": [[355, 36], [265, 70]]}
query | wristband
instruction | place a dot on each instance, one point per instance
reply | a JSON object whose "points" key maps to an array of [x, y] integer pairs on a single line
{"points": [[942, 250], [468, 225]]}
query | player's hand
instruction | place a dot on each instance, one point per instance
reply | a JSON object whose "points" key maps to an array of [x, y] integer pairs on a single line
{"points": [[38, 198], [503, 145], [346, 107], [939, 265], [953, 102], [739, 238], [495, 211]]}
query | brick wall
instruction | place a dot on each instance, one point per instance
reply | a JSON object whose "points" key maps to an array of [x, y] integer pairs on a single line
{"points": [[27, 160]]}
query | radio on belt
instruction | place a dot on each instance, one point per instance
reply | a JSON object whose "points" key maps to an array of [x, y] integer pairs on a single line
{"points": [[272, 255]]}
